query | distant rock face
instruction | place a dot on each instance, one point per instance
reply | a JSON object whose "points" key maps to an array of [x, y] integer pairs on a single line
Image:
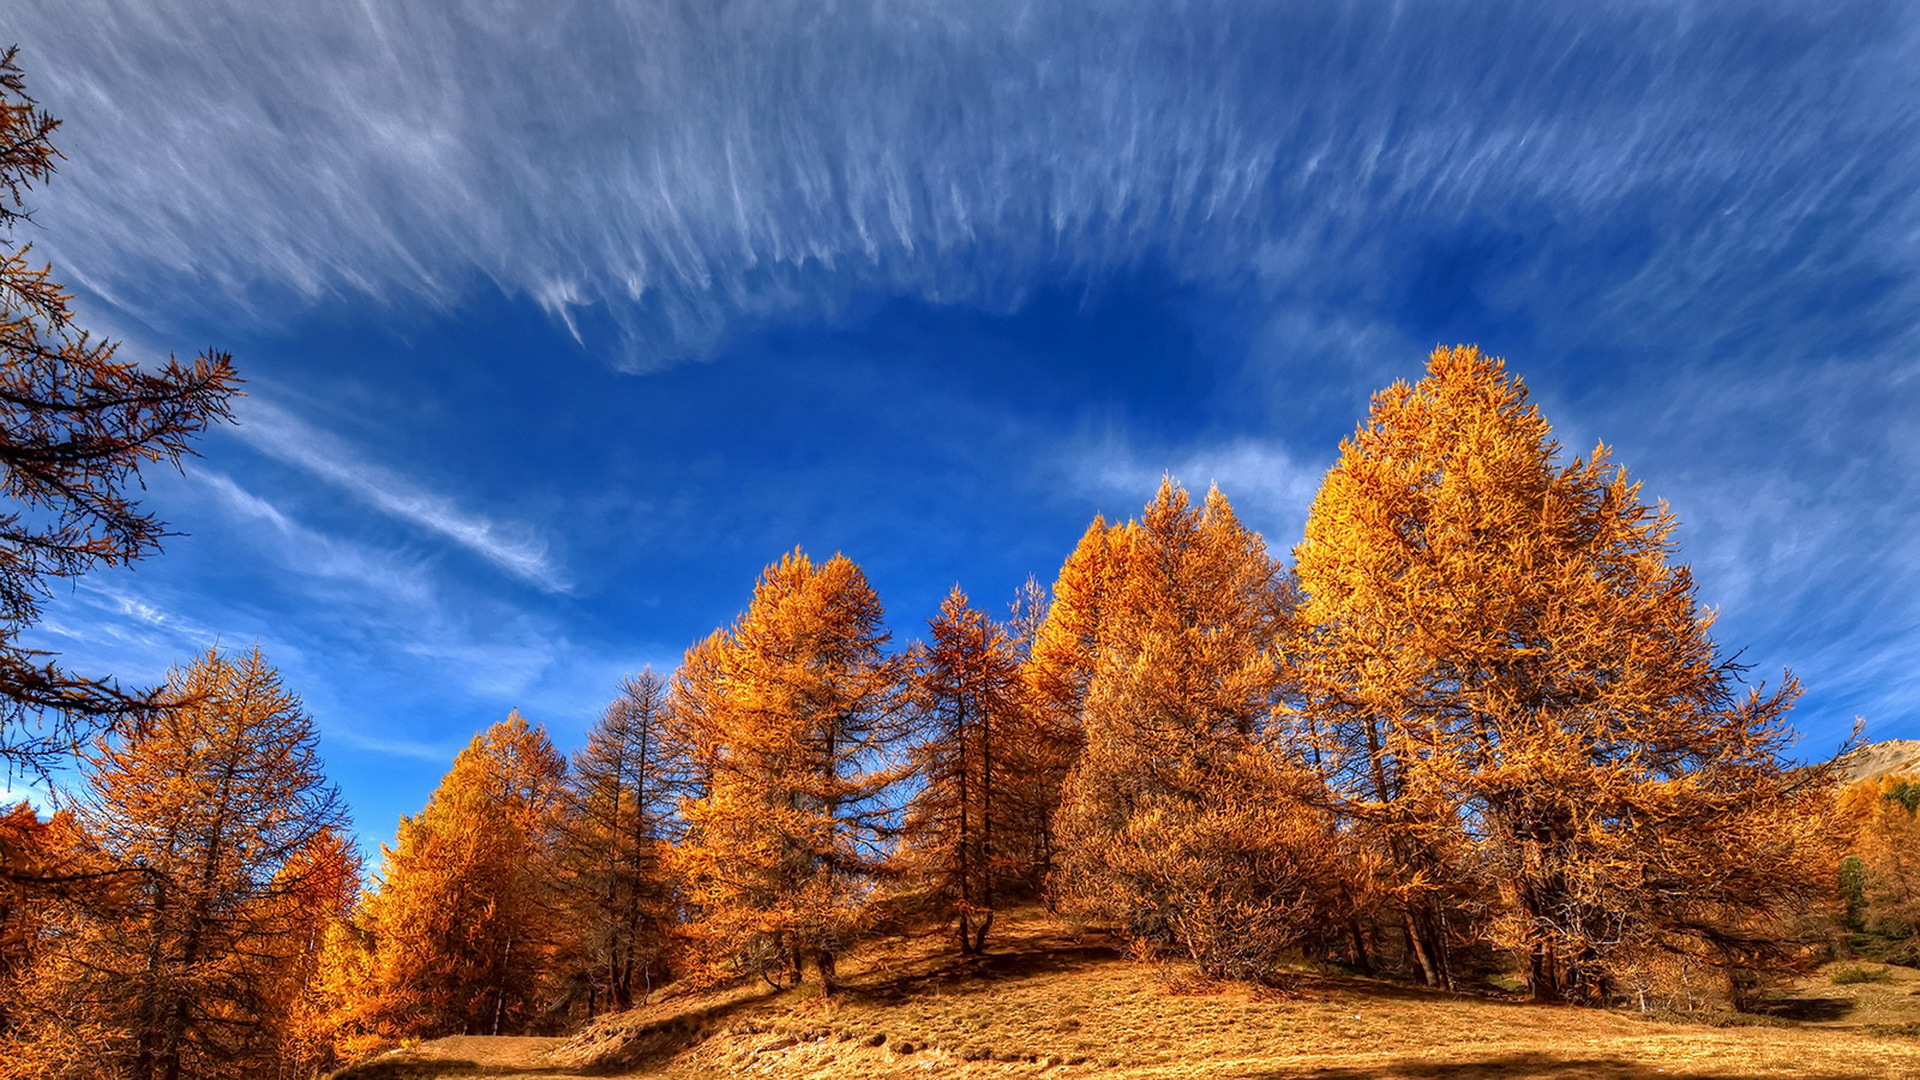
{"points": [[1882, 758]]}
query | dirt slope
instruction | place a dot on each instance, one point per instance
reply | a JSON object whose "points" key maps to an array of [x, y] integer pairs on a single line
{"points": [[1049, 1005]]}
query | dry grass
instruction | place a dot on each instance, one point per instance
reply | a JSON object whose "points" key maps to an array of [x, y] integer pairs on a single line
{"points": [[1049, 1004]]}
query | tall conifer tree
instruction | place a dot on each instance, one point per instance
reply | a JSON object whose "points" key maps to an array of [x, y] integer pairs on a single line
{"points": [[214, 826], [969, 708], [620, 818], [1501, 653], [788, 718], [461, 926], [1177, 820], [1061, 645]]}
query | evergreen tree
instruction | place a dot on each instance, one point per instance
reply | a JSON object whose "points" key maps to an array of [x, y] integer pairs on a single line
{"points": [[461, 927], [1178, 822], [621, 816], [1061, 645], [1882, 870], [318, 889]]}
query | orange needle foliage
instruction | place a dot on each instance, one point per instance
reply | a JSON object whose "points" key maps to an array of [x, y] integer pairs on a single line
{"points": [[1179, 821], [1061, 652], [1881, 875], [212, 838], [1513, 689], [969, 716], [620, 901], [458, 936], [788, 718]]}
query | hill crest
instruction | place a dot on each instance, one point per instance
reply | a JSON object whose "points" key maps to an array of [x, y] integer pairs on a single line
{"points": [[1881, 759]]}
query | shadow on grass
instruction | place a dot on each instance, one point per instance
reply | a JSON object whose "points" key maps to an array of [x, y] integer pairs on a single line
{"points": [[1811, 1010], [654, 1043], [427, 1070], [1525, 1066], [979, 973]]}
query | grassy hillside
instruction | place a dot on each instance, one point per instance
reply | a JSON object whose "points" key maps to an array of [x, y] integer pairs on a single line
{"points": [[1881, 759], [1053, 1004]]}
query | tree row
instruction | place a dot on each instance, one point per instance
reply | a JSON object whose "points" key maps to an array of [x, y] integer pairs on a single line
{"points": [[1477, 731]]}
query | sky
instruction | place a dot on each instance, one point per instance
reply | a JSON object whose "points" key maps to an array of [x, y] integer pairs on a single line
{"points": [[560, 323]]}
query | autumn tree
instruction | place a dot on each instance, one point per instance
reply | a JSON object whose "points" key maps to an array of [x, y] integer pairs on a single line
{"points": [[969, 710], [458, 935], [27, 848], [318, 889], [212, 820], [76, 428], [619, 819], [1881, 872], [54, 871], [1178, 821], [1511, 684], [788, 718], [1059, 643]]}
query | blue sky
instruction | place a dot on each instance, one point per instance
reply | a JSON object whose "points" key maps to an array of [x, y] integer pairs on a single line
{"points": [[559, 324]]}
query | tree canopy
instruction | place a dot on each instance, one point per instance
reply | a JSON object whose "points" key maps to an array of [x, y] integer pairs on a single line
{"points": [[77, 425]]}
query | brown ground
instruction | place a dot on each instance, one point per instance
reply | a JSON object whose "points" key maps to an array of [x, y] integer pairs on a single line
{"points": [[1046, 1004]]}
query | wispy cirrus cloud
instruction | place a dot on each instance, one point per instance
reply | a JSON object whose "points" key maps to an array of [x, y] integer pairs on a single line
{"points": [[279, 434], [1269, 487], [660, 174]]}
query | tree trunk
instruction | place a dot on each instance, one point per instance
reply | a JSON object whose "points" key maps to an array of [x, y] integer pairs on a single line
{"points": [[1543, 976], [1418, 953], [824, 961], [1358, 942]]}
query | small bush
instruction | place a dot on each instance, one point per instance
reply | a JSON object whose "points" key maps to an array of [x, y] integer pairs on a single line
{"points": [[1854, 973]]}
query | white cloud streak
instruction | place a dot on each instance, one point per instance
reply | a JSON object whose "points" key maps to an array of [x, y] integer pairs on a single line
{"points": [[1269, 488], [280, 435], [1727, 191]]}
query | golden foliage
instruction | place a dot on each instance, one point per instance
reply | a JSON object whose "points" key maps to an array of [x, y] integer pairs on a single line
{"points": [[1497, 650], [1882, 835], [1061, 647], [788, 718], [459, 929], [619, 900], [1179, 821], [961, 848], [210, 839]]}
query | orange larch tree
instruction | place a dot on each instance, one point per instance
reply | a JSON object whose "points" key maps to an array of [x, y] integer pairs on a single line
{"points": [[789, 719], [461, 924], [57, 880], [1512, 685], [212, 813], [1881, 872], [621, 816], [968, 711], [319, 887], [1179, 822], [1059, 640]]}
